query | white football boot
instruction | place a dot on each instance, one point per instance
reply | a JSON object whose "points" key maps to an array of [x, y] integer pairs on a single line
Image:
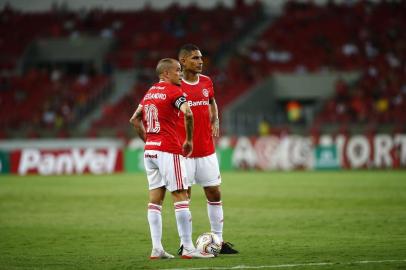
{"points": [[195, 254], [160, 254]]}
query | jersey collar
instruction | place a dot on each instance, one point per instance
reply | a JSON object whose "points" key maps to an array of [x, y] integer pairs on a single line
{"points": [[192, 83]]}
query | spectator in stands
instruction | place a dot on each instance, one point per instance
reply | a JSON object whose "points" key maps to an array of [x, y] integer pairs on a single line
{"points": [[56, 75], [349, 49], [341, 89], [107, 33], [358, 106], [66, 112], [294, 111], [48, 118], [264, 128], [382, 105], [83, 79]]}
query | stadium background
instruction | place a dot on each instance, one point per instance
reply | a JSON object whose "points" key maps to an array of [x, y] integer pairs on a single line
{"points": [[302, 86], [307, 84]]}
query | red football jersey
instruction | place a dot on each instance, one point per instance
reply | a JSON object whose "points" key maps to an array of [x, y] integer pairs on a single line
{"points": [[198, 95], [160, 107]]}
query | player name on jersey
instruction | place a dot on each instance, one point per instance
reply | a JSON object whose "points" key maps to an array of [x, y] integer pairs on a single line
{"points": [[155, 96]]}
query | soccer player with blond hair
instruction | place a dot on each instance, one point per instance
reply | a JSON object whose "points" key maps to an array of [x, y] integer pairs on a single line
{"points": [[155, 122]]}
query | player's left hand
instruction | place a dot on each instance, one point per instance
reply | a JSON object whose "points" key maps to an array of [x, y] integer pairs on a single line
{"points": [[215, 127]]}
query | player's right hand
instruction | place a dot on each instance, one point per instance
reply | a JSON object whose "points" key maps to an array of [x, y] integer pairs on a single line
{"points": [[187, 148]]}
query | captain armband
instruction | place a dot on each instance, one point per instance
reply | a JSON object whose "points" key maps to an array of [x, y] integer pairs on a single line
{"points": [[179, 101]]}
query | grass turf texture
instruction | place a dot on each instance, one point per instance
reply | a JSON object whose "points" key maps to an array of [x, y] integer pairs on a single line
{"points": [[99, 222]]}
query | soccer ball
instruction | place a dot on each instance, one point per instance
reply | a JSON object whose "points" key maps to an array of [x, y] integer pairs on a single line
{"points": [[209, 243]]}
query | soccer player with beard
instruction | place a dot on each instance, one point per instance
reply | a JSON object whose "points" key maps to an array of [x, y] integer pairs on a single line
{"points": [[155, 122], [202, 165]]}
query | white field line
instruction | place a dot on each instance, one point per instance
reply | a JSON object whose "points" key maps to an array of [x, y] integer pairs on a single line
{"points": [[288, 265]]}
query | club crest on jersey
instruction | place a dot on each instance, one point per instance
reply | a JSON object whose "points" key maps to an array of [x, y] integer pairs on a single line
{"points": [[205, 92]]}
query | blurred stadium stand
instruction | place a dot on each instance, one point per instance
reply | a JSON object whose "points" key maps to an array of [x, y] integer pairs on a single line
{"points": [[69, 72]]}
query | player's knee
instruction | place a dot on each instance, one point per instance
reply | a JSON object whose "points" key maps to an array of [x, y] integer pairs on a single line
{"points": [[156, 196], [213, 194], [215, 198], [179, 195], [155, 201], [153, 198]]}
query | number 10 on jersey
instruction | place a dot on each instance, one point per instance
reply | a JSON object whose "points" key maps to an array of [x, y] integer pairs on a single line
{"points": [[151, 118]]}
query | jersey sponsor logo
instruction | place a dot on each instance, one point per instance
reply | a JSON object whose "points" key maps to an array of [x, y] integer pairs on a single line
{"points": [[151, 156], [198, 103], [157, 87], [205, 92], [153, 143], [155, 96]]}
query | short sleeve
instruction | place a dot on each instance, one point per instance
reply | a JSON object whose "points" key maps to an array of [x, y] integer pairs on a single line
{"points": [[142, 99], [211, 89], [178, 98]]}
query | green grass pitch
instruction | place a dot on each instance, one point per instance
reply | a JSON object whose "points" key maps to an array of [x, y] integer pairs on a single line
{"points": [[276, 220]]}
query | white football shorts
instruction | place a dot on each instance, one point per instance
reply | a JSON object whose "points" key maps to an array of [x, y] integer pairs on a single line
{"points": [[165, 169], [203, 171]]}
